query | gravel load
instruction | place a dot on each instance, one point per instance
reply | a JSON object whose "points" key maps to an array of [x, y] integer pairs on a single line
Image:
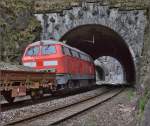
{"points": [[8, 66]]}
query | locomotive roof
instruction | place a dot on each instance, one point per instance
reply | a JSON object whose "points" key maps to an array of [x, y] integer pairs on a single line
{"points": [[47, 42]]}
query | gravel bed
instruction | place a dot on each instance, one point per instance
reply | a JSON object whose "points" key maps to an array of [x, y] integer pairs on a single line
{"points": [[8, 66], [119, 111], [59, 115], [25, 112]]}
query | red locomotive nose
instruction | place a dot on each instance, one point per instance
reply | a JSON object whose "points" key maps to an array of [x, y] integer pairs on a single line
{"points": [[43, 56]]}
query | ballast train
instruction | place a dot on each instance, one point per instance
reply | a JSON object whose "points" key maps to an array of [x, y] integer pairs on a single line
{"points": [[73, 68]]}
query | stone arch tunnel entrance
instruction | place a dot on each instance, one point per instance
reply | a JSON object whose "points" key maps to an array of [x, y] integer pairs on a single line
{"points": [[97, 41]]}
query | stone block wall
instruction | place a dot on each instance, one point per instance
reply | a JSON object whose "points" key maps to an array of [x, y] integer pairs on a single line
{"points": [[143, 66]]}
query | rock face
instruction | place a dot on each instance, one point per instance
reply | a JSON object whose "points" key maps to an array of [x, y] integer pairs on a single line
{"points": [[18, 27], [146, 121]]}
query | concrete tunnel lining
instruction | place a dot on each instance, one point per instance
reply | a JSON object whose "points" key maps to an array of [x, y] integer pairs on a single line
{"points": [[97, 41]]}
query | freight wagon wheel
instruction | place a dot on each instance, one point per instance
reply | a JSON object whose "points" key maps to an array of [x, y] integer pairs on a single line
{"points": [[8, 97]]}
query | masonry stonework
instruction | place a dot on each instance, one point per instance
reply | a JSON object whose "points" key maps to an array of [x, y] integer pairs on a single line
{"points": [[130, 24]]}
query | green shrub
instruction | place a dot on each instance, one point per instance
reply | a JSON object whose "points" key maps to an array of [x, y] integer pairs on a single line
{"points": [[143, 101], [130, 94]]}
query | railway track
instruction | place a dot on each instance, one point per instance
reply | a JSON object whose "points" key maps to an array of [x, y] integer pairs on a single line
{"points": [[66, 111], [29, 102]]}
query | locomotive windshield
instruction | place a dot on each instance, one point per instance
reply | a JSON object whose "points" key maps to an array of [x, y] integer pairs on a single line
{"points": [[48, 49], [32, 51]]}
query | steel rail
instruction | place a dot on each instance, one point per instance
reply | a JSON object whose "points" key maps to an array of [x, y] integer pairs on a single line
{"points": [[102, 98], [27, 102], [86, 104]]}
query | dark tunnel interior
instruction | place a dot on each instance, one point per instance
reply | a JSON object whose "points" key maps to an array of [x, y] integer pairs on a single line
{"points": [[97, 41], [101, 73]]}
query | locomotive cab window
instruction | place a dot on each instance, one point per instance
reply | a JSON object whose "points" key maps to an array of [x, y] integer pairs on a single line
{"points": [[48, 49], [32, 51]]}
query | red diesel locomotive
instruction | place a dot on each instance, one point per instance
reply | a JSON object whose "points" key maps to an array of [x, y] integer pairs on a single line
{"points": [[73, 68]]}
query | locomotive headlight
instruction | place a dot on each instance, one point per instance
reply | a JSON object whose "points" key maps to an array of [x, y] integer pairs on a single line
{"points": [[50, 63], [30, 64]]}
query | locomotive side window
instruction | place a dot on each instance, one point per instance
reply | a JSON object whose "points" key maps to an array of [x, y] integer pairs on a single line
{"points": [[75, 54], [79, 55], [48, 49], [84, 57], [32, 51], [88, 58], [66, 51], [91, 60]]}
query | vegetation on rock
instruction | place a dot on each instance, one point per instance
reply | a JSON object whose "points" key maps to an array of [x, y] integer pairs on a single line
{"points": [[18, 27]]}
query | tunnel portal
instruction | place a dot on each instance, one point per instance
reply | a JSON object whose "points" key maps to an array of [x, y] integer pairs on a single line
{"points": [[100, 31], [97, 41]]}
